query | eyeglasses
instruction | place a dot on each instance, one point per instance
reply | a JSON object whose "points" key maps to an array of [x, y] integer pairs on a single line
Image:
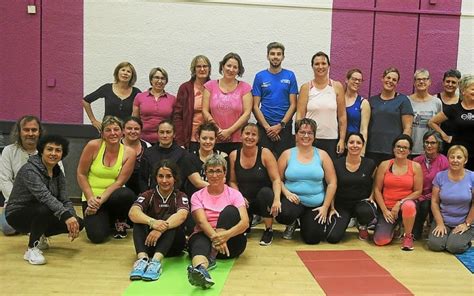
{"points": [[424, 79], [356, 79], [432, 143], [214, 172], [402, 147], [159, 78], [303, 134]]}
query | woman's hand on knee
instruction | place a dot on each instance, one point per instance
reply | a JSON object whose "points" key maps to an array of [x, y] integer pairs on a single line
{"points": [[152, 238], [440, 230], [73, 228]]}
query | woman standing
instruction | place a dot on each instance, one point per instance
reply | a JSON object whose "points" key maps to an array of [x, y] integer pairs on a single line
{"points": [[303, 170], [398, 183], [38, 203], [460, 115], [118, 95], [431, 162], [354, 191], [187, 114], [221, 220], [154, 105], [357, 107], [452, 205], [104, 167], [157, 216], [227, 102], [254, 172], [425, 106], [322, 99], [391, 115], [132, 138]]}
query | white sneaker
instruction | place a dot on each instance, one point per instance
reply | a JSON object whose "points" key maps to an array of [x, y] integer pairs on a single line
{"points": [[34, 256], [43, 243]]}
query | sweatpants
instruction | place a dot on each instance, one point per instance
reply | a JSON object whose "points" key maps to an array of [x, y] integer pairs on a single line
{"points": [[171, 242]]}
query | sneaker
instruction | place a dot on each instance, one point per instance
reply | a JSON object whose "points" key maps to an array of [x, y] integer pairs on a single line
{"points": [[372, 224], [153, 270], [256, 220], [363, 233], [407, 242], [43, 243], [34, 256], [289, 230], [120, 229], [199, 276], [397, 232], [267, 237], [138, 270], [352, 222]]}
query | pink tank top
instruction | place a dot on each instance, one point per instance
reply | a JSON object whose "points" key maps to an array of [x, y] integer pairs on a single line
{"points": [[395, 187], [322, 108]]}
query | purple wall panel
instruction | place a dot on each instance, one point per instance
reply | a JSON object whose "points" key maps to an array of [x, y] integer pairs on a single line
{"points": [[351, 47], [398, 5], [348, 4], [394, 45], [453, 6], [437, 46], [20, 60], [62, 67]]}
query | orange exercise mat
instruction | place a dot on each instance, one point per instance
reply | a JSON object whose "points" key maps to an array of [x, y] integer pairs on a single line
{"points": [[351, 273]]}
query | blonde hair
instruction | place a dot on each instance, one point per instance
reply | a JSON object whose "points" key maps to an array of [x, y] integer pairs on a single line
{"points": [[461, 148]]}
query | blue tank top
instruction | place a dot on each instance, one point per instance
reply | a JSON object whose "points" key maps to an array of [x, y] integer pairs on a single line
{"points": [[354, 116], [305, 179]]}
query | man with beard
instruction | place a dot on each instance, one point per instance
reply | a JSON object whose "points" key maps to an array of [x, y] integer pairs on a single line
{"points": [[25, 135], [274, 101]]}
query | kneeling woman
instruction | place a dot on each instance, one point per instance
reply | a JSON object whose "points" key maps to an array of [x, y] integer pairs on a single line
{"points": [[104, 167], [157, 215], [221, 220], [303, 170], [354, 190], [398, 183], [38, 203], [452, 205]]}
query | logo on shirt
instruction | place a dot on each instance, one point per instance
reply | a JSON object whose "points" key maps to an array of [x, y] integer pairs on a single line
{"points": [[468, 116], [185, 200], [285, 81], [140, 199], [163, 205], [266, 84]]}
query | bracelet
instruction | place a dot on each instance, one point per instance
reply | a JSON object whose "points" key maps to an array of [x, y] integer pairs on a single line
{"points": [[151, 222]]}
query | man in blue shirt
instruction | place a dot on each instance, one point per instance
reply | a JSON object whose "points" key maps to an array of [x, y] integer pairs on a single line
{"points": [[274, 101]]}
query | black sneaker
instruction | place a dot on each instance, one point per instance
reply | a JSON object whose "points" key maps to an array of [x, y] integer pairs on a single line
{"points": [[267, 237], [120, 229]]}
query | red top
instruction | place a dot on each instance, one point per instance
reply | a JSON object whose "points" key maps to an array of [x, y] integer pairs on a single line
{"points": [[396, 187]]}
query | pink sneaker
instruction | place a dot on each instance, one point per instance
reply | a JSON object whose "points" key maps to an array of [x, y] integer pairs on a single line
{"points": [[407, 242], [363, 233]]}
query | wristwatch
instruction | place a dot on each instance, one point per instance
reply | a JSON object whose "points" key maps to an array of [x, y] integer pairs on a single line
{"points": [[283, 124]]}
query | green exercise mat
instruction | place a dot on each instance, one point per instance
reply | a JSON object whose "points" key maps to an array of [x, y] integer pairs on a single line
{"points": [[174, 279]]}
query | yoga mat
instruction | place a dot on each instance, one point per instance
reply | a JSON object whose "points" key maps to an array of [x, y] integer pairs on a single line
{"points": [[351, 273], [174, 279], [467, 258]]}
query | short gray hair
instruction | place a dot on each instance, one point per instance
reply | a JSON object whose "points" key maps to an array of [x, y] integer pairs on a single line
{"points": [[214, 161]]}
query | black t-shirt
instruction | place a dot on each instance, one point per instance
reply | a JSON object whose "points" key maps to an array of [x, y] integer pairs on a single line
{"points": [[463, 125], [251, 180], [353, 186], [114, 105]]}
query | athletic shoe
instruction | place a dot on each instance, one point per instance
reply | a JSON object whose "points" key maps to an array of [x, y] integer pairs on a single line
{"points": [[397, 232], [153, 270], [407, 242], [199, 276], [267, 237], [256, 220], [372, 224], [138, 270], [289, 230], [352, 222], [34, 256], [363, 233], [120, 229], [43, 243]]}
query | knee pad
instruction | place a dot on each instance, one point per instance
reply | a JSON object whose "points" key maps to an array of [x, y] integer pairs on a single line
{"points": [[408, 209]]}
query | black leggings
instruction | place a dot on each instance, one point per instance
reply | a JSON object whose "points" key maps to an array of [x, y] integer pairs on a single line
{"points": [[116, 207], [37, 219], [171, 242], [423, 209], [364, 211], [259, 204], [200, 244], [311, 231]]}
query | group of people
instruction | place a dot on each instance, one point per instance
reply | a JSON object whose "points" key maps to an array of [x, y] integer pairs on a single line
{"points": [[191, 171]]}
